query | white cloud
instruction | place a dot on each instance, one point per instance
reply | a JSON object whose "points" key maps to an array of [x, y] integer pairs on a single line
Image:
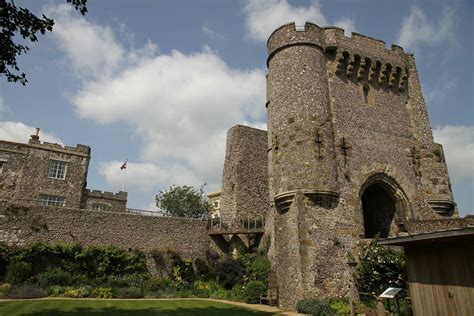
{"points": [[347, 24], [179, 105], [441, 90], [213, 35], [19, 132], [91, 48], [264, 16], [417, 29], [146, 176], [458, 144]]}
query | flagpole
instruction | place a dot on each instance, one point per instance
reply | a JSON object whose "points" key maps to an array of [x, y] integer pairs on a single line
{"points": [[124, 166], [124, 179]]}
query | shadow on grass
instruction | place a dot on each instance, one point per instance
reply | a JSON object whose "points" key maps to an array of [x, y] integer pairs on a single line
{"points": [[179, 311]]}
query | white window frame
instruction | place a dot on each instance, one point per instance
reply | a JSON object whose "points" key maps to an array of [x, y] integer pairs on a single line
{"points": [[57, 169], [51, 200], [100, 207]]}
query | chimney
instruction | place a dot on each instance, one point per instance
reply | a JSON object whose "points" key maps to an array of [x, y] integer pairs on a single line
{"points": [[35, 138]]}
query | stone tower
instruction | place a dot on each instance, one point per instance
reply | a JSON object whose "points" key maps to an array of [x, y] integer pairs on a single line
{"points": [[350, 155]]}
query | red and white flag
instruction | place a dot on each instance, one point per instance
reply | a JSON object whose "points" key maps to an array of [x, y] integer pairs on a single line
{"points": [[124, 166]]}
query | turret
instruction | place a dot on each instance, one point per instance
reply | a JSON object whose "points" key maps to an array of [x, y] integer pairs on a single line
{"points": [[301, 139]]}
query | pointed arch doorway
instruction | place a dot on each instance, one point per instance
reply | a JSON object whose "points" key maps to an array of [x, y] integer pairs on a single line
{"points": [[384, 206]]}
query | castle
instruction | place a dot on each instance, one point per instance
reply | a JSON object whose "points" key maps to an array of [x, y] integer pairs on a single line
{"points": [[50, 174], [349, 155]]}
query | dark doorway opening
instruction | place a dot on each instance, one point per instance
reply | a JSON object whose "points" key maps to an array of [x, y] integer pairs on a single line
{"points": [[379, 208]]}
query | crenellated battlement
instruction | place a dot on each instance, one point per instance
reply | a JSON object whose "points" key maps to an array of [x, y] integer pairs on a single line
{"points": [[333, 39], [81, 150], [360, 57], [121, 195]]}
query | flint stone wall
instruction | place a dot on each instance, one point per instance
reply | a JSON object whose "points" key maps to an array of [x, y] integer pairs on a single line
{"points": [[21, 225], [116, 202], [427, 226], [245, 178]]}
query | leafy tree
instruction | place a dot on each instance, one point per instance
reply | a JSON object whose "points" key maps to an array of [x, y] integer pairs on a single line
{"points": [[381, 267], [183, 201], [16, 21]]}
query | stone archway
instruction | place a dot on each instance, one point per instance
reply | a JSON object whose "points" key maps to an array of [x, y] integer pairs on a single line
{"points": [[384, 206], [378, 208]]}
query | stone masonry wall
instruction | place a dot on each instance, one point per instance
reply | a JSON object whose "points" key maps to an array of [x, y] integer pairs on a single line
{"points": [[345, 115], [12, 157], [22, 225], [245, 179], [28, 165], [108, 201]]}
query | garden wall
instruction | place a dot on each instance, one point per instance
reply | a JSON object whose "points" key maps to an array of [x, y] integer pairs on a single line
{"points": [[21, 225]]}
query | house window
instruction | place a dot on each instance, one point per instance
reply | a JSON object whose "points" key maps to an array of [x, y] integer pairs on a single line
{"points": [[100, 207], [51, 200], [57, 169], [216, 204], [2, 163]]}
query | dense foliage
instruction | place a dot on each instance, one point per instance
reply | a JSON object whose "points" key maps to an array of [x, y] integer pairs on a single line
{"points": [[6, 253], [314, 307], [73, 271], [183, 201], [16, 22], [379, 268]]}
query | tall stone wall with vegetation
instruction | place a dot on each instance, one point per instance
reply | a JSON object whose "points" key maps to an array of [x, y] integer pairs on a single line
{"points": [[22, 225]]}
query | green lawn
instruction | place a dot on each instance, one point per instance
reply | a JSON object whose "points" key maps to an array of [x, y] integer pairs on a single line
{"points": [[72, 307]]}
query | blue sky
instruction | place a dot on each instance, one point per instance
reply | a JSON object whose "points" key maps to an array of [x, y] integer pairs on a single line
{"points": [[160, 82]]}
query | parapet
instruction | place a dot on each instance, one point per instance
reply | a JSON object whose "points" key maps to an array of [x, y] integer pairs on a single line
{"points": [[358, 56], [79, 150], [330, 38], [120, 196]]}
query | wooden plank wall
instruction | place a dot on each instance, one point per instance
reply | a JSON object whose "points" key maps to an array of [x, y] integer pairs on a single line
{"points": [[441, 278]]}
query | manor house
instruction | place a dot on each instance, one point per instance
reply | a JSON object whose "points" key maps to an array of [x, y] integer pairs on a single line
{"points": [[50, 174]]}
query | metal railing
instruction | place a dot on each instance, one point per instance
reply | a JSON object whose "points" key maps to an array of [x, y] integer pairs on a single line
{"points": [[237, 222], [81, 206]]}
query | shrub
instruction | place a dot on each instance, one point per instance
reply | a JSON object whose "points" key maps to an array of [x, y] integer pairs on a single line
{"points": [[341, 307], [102, 292], [76, 292], [4, 289], [54, 277], [220, 293], [128, 292], [159, 284], [259, 268], [27, 291], [183, 272], [229, 273], [253, 290], [315, 307], [379, 268], [56, 290], [128, 280], [237, 293], [18, 272], [203, 271], [6, 254]]}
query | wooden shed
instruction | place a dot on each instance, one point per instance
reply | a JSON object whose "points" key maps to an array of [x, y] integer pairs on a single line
{"points": [[440, 271]]}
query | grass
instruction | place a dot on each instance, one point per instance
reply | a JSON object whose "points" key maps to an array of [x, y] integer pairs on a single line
{"points": [[86, 307]]}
